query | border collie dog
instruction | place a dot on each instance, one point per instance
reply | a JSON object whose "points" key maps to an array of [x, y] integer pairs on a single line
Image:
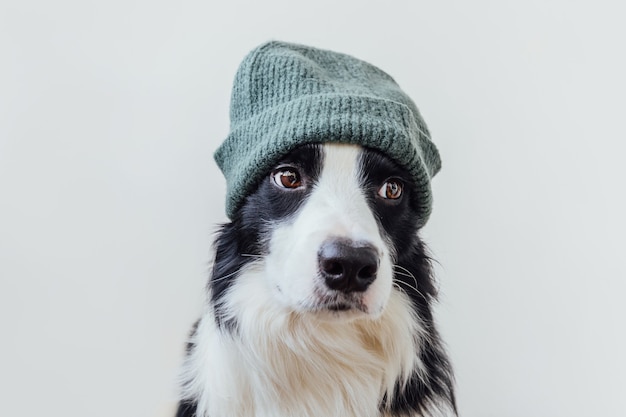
{"points": [[320, 298]]}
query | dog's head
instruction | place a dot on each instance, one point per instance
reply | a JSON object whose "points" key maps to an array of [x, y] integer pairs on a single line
{"points": [[327, 228], [320, 281]]}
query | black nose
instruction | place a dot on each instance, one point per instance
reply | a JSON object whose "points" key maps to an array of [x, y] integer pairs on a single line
{"points": [[347, 266]]}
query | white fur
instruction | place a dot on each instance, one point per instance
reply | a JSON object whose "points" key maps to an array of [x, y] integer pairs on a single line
{"points": [[286, 359], [336, 208], [285, 363]]}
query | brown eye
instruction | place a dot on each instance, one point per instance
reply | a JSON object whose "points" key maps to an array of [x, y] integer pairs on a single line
{"points": [[287, 178], [391, 189]]}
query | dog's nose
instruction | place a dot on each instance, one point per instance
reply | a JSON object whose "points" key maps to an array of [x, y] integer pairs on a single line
{"points": [[347, 266]]}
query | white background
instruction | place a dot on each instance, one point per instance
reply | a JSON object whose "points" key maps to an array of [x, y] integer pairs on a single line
{"points": [[110, 112]]}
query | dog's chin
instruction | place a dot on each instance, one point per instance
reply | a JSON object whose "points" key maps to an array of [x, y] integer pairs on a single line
{"points": [[340, 308], [342, 313]]}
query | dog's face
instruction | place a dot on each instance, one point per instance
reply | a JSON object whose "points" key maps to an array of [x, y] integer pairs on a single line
{"points": [[330, 223], [321, 281]]}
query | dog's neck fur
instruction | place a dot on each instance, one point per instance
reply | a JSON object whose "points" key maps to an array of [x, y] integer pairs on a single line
{"points": [[278, 363]]}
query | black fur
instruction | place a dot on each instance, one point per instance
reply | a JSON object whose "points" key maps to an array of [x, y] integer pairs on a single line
{"points": [[239, 242], [413, 274], [439, 386], [186, 409]]}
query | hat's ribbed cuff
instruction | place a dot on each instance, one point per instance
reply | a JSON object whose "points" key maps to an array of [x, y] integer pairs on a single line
{"points": [[385, 125]]}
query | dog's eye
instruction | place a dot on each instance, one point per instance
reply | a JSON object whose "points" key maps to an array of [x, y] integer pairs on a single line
{"points": [[391, 189], [287, 178]]}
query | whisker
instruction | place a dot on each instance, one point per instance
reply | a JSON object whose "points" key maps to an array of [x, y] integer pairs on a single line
{"points": [[411, 287], [226, 276], [405, 272], [395, 284]]}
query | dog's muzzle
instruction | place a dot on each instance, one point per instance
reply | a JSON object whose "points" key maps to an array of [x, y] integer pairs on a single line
{"points": [[347, 266]]}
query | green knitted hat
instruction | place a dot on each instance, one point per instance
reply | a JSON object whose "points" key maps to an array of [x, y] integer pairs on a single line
{"points": [[286, 95]]}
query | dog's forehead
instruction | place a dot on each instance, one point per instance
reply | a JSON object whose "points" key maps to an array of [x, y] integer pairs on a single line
{"points": [[331, 163], [311, 154], [309, 158], [303, 152]]}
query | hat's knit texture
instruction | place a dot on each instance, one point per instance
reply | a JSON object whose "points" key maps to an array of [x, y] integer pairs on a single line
{"points": [[287, 95]]}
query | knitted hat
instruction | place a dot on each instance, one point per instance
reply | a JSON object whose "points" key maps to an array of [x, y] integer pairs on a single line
{"points": [[287, 95]]}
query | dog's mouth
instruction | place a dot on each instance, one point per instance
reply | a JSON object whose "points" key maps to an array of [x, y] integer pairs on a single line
{"points": [[340, 303], [339, 307]]}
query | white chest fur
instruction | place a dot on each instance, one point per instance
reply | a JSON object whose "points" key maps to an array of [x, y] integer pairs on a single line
{"points": [[278, 363]]}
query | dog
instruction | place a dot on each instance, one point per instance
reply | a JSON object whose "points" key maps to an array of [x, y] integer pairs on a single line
{"points": [[320, 299]]}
